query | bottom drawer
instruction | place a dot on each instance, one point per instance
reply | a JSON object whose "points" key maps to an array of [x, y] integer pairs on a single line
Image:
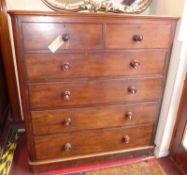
{"points": [[91, 142]]}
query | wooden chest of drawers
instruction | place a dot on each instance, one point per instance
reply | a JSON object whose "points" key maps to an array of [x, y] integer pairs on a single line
{"points": [[98, 96]]}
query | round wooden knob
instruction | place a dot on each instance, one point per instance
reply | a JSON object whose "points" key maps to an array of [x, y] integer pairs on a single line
{"points": [[67, 95], [67, 122], [138, 38], [65, 37], [129, 115], [126, 139], [135, 64], [132, 90], [67, 147], [66, 67]]}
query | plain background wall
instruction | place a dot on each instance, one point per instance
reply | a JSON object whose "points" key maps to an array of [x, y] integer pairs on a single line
{"points": [[177, 67], [26, 5], [167, 7]]}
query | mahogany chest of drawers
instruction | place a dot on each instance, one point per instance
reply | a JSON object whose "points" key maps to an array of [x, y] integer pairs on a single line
{"points": [[98, 96]]}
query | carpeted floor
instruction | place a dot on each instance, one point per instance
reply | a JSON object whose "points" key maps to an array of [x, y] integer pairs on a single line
{"points": [[141, 168], [150, 165], [7, 152]]}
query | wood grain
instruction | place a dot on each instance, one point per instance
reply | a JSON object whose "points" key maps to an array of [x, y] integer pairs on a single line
{"points": [[56, 121], [109, 64], [91, 142], [93, 92], [94, 64], [38, 36], [8, 63], [121, 35]]}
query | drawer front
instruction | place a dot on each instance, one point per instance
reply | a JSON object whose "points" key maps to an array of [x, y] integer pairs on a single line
{"points": [[38, 36], [94, 92], [90, 142], [76, 119], [137, 35], [48, 66]]}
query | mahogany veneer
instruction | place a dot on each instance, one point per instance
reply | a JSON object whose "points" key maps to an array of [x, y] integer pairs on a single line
{"points": [[76, 93], [90, 142], [77, 119], [94, 64], [98, 96], [139, 34]]}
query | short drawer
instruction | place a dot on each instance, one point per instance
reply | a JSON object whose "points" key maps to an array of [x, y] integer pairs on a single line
{"points": [[140, 35], [91, 142], [38, 36], [52, 95], [49, 66], [76, 119]]}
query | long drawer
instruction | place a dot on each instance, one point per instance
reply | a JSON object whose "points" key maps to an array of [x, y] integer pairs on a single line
{"points": [[76, 119], [52, 95], [128, 63], [90, 142], [38, 36], [140, 35]]}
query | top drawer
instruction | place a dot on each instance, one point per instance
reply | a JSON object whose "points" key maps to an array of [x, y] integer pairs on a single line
{"points": [[38, 36], [141, 35]]}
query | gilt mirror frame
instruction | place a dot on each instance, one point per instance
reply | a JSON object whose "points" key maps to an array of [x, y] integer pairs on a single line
{"points": [[114, 6]]}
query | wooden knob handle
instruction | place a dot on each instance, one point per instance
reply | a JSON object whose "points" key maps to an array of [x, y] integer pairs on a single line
{"points": [[132, 90], [138, 38], [126, 139], [65, 37], [66, 67], [135, 64], [67, 147], [67, 122], [129, 115], [67, 95]]}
